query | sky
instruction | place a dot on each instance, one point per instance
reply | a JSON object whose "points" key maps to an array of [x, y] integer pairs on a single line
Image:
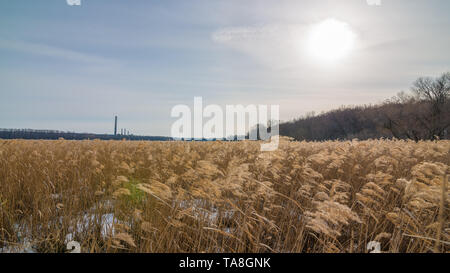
{"points": [[73, 68]]}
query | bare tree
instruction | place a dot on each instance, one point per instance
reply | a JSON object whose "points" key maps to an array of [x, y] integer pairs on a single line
{"points": [[434, 90], [435, 93]]}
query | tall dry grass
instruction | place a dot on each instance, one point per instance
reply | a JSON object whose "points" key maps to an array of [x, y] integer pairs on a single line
{"points": [[224, 196]]}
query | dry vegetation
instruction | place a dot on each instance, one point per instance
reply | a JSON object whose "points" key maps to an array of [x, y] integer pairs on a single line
{"points": [[119, 196]]}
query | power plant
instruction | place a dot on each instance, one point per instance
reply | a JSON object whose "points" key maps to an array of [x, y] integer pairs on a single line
{"points": [[55, 135], [123, 131]]}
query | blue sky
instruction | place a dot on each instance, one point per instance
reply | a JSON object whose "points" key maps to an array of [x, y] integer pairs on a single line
{"points": [[75, 67]]}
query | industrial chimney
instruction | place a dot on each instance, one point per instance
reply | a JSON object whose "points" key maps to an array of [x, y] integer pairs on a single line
{"points": [[115, 126]]}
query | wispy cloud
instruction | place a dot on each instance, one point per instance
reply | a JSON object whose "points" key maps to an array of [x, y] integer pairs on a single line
{"points": [[53, 52], [275, 45], [245, 33]]}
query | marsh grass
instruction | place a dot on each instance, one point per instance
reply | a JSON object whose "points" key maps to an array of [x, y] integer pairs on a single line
{"points": [[120, 196]]}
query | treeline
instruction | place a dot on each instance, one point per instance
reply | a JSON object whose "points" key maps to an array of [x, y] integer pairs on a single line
{"points": [[51, 134], [424, 113]]}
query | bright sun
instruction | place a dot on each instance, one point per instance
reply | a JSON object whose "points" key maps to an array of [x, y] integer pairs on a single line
{"points": [[331, 40]]}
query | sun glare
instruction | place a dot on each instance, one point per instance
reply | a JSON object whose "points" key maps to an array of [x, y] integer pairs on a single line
{"points": [[331, 40]]}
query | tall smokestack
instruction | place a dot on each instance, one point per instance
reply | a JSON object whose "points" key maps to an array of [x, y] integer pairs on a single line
{"points": [[115, 126]]}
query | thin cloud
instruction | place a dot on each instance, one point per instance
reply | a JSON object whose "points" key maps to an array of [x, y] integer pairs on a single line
{"points": [[242, 34], [273, 45], [54, 52]]}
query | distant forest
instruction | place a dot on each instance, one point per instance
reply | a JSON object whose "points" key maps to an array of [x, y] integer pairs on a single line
{"points": [[422, 114], [51, 134]]}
